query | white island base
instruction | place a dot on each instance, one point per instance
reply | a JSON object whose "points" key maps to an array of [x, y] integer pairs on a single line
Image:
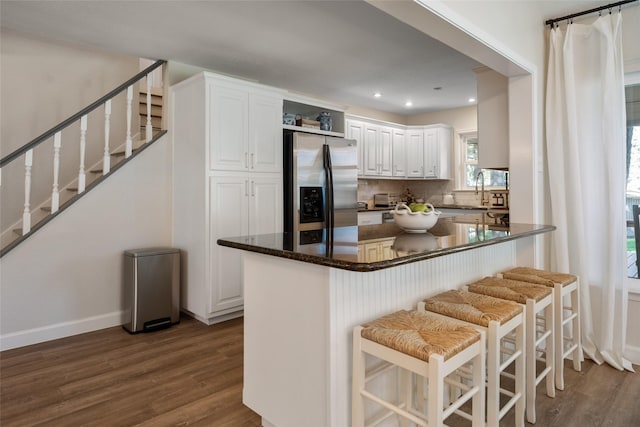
{"points": [[299, 319]]}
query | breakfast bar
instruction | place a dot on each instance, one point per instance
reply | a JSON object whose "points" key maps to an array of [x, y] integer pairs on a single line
{"points": [[304, 293]]}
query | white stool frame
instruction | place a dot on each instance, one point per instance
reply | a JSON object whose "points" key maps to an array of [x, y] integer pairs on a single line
{"points": [[495, 332], [436, 370], [575, 349], [532, 308]]}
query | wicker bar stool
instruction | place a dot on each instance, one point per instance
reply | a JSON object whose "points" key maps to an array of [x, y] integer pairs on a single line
{"points": [[426, 345], [537, 299], [498, 318], [562, 285]]}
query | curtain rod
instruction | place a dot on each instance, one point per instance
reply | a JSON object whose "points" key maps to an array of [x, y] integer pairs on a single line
{"points": [[597, 9]]}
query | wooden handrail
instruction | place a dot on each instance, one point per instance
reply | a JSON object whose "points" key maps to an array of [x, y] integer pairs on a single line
{"points": [[48, 134]]}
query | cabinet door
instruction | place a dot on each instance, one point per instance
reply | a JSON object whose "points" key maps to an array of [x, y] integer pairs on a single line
{"points": [[399, 153], [265, 205], [228, 128], [371, 150], [265, 133], [371, 251], [445, 143], [355, 131], [415, 159], [228, 216], [385, 152], [385, 249], [431, 153]]}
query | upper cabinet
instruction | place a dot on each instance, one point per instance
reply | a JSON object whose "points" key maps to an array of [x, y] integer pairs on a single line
{"points": [[377, 150], [244, 132], [390, 150], [354, 129], [493, 119]]}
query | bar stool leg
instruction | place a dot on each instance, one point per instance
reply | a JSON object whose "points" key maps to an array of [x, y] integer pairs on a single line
{"points": [[405, 393], [520, 375], [550, 352], [479, 377], [435, 403], [530, 357], [493, 375], [577, 338], [358, 380]]}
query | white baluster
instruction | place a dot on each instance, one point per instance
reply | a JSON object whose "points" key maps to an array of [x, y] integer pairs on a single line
{"points": [[83, 143], [149, 128], [129, 145], [55, 194], [107, 123], [26, 214]]}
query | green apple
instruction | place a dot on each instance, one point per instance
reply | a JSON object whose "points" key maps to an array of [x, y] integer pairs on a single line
{"points": [[418, 207]]}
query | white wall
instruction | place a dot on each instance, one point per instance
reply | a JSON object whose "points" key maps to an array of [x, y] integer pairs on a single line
{"points": [[67, 277], [43, 83]]}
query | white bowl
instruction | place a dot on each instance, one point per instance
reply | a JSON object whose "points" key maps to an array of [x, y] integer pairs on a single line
{"points": [[415, 222]]}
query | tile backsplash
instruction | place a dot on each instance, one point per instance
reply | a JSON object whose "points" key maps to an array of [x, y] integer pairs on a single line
{"points": [[431, 191]]}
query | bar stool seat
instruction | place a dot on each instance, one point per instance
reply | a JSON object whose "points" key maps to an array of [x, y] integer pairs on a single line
{"points": [[499, 318], [562, 284], [429, 346], [537, 299]]}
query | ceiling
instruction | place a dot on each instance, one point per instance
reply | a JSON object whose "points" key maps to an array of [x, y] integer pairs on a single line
{"points": [[344, 51]]}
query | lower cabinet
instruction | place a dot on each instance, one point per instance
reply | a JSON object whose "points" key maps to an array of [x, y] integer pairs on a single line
{"points": [[239, 204], [376, 250]]}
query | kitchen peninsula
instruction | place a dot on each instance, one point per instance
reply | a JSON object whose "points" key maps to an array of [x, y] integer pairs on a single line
{"points": [[305, 293]]}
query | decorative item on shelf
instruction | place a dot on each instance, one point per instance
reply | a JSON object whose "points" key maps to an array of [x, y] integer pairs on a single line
{"points": [[325, 120], [288, 119], [306, 123], [415, 219]]}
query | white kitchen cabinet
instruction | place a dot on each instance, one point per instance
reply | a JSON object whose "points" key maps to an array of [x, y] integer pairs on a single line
{"points": [[414, 152], [355, 131], [370, 218], [437, 151], [377, 150], [493, 119], [227, 181], [376, 250], [399, 154], [245, 128], [240, 205]]}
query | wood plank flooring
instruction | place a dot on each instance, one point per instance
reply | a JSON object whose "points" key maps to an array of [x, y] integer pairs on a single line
{"points": [[191, 374]]}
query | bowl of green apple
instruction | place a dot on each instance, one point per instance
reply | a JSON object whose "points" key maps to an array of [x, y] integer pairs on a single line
{"points": [[415, 217]]}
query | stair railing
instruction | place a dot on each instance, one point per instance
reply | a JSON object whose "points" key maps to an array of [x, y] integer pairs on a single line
{"points": [[55, 133]]}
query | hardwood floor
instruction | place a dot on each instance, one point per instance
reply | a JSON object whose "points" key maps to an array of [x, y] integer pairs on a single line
{"points": [[191, 374]]}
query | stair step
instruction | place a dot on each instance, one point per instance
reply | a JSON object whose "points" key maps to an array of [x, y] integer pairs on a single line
{"points": [[155, 100], [157, 91], [122, 152], [45, 208], [156, 110], [155, 121], [18, 231]]}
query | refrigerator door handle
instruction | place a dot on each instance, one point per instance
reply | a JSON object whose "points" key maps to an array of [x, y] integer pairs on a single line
{"points": [[328, 173]]}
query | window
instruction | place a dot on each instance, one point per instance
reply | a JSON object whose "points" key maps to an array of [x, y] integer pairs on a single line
{"points": [[470, 169]]}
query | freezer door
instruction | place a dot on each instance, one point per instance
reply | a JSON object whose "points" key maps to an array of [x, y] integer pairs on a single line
{"points": [[344, 163], [308, 174]]}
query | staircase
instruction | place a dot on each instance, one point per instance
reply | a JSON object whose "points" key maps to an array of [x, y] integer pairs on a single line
{"points": [[126, 147]]}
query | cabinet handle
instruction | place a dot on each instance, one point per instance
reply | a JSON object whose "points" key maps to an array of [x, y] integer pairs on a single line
{"points": [[246, 160], [253, 163]]}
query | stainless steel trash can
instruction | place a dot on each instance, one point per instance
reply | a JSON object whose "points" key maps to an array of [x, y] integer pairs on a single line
{"points": [[151, 288]]}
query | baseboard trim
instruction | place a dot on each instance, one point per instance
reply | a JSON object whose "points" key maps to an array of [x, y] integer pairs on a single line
{"points": [[632, 354], [60, 330]]}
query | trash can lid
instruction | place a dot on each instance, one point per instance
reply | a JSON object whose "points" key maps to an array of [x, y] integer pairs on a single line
{"points": [[150, 251]]}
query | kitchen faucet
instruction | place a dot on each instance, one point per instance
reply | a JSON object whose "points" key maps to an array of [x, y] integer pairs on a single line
{"points": [[482, 201]]}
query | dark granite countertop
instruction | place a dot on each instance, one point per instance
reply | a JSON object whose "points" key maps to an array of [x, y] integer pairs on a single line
{"points": [[340, 249]]}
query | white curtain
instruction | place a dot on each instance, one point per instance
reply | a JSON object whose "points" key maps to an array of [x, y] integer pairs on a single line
{"points": [[585, 136]]}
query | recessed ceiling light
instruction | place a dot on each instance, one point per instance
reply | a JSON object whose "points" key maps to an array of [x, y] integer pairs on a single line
{"points": [[437, 88], [472, 100], [408, 104], [377, 95]]}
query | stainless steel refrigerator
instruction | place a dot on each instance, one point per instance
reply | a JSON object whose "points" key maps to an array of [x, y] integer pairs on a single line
{"points": [[320, 183]]}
